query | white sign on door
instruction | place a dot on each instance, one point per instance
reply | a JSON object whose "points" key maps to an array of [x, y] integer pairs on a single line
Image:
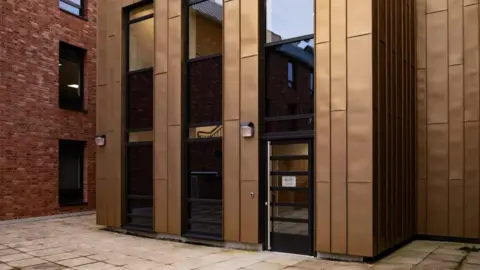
{"points": [[289, 181]]}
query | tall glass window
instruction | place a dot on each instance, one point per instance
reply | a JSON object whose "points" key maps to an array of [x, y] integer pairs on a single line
{"points": [[204, 132], [139, 118], [70, 77], [289, 67]]}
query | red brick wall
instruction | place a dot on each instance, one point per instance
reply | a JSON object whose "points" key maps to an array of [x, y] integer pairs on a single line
{"points": [[31, 121]]}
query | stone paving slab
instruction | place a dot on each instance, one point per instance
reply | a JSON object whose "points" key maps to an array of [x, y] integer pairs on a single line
{"points": [[77, 243]]}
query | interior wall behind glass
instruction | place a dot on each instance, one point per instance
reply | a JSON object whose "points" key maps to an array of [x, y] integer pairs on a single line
{"points": [[141, 44]]}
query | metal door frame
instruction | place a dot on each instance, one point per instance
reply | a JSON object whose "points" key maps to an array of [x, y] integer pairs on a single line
{"points": [[311, 190]]}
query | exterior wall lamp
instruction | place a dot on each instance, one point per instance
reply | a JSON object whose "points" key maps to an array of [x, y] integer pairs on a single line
{"points": [[247, 130], [100, 140]]}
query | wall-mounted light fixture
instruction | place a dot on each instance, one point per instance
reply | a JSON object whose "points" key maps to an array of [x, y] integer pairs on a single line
{"points": [[246, 129], [100, 140]]}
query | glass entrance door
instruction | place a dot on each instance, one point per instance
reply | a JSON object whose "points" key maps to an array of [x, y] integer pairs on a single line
{"points": [[290, 195]]}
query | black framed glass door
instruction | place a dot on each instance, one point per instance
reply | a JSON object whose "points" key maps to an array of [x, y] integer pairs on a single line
{"points": [[290, 196]]}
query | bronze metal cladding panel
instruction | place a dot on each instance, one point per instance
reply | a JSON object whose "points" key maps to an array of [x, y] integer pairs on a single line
{"points": [[421, 124], [160, 128], [421, 206], [469, 2], [360, 219], [101, 128], [114, 131], [161, 36], [456, 206], [113, 192], [116, 155], [393, 94], [339, 183], [249, 112], [322, 147], [455, 32], [360, 110], [231, 124], [102, 36], [174, 179], [231, 62], [436, 5], [421, 41], [471, 180], [175, 72], [339, 55], [248, 27], [437, 67], [174, 8], [101, 203], [455, 122], [161, 205], [127, 2], [322, 124], [113, 11], [322, 214], [322, 21], [471, 63], [359, 17], [249, 212], [437, 184], [231, 180]]}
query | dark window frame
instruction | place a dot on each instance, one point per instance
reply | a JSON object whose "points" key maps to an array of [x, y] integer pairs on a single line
{"points": [[81, 8], [186, 141], [264, 137], [65, 195], [77, 55], [127, 146], [264, 119]]}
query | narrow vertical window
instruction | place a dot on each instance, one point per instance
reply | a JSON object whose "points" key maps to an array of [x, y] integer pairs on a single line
{"points": [[204, 129], [70, 77], [311, 83], [287, 134], [290, 74], [71, 155], [138, 119]]}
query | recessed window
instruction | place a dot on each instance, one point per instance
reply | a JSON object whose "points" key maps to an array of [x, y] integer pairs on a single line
{"points": [[290, 75], [71, 154], [71, 77], [204, 179], [141, 38], [138, 119], [72, 6], [312, 82]]}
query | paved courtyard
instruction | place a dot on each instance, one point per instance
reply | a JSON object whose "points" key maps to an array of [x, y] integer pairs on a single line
{"points": [[77, 243]]}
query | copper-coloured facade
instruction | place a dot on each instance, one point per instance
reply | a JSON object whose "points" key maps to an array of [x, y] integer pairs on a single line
{"points": [[394, 121]]}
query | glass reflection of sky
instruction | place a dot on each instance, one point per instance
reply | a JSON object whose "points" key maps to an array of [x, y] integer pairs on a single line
{"points": [[290, 18], [69, 8]]}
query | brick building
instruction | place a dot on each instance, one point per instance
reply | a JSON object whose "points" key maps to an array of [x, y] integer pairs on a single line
{"points": [[47, 107]]}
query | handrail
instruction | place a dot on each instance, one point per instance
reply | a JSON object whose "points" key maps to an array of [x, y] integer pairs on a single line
{"points": [[213, 133]]}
